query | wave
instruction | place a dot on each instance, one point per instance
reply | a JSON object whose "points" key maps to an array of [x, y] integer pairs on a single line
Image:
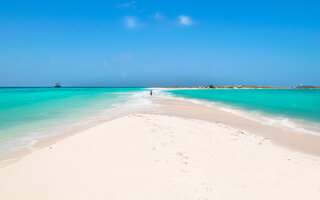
{"points": [[135, 102], [255, 115]]}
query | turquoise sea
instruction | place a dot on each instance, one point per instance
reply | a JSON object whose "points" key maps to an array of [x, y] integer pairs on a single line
{"points": [[289, 107], [27, 114]]}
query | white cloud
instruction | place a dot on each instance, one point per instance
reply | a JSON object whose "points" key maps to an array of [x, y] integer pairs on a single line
{"points": [[132, 22], [159, 16], [131, 4], [185, 20]]}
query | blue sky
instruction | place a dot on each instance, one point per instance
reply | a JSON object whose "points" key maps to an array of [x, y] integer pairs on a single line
{"points": [[159, 43]]}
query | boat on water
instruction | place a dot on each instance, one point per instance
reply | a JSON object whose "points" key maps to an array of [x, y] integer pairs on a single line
{"points": [[57, 85]]}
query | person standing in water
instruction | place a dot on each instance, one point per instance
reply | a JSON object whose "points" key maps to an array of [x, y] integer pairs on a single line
{"points": [[150, 92]]}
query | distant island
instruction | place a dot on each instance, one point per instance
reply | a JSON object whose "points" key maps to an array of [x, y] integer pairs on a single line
{"points": [[251, 87], [306, 87]]}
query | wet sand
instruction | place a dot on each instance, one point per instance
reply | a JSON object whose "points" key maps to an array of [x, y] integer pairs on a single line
{"points": [[286, 137], [175, 150]]}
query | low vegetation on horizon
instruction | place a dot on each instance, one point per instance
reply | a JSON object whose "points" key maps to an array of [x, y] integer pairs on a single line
{"points": [[254, 87]]}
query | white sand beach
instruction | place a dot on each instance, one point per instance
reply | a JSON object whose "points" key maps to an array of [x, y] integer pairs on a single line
{"points": [[153, 156], [160, 100]]}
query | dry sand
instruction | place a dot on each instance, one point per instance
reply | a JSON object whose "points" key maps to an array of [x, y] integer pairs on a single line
{"points": [[287, 137], [148, 156]]}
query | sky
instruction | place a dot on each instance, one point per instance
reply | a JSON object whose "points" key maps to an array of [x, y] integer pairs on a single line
{"points": [[143, 43]]}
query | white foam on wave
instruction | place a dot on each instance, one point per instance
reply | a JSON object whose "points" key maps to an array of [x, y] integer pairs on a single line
{"points": [[134, 102], [258, 116]]}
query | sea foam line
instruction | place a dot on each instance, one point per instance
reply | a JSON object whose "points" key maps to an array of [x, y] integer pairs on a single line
{"points": [[258, 116], [137, 101]]}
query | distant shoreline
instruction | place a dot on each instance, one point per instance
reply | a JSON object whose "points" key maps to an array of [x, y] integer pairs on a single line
{"points": [[177, 149], [178, 87], [245, 87]]}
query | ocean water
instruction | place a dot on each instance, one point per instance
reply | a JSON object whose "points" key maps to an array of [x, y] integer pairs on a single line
{"points": [[28, 114], [295, 108]]}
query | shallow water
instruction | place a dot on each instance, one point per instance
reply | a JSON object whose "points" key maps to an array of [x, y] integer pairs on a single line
{"points": [[296, 108], [27, 114]]}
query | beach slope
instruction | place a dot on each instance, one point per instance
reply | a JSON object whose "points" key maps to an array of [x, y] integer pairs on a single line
{"points": [[146, 156]]}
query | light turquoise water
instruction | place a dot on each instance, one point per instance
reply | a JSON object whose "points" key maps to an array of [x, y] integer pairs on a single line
{"points": [[34, 112], [295, 104], [27, 114]]}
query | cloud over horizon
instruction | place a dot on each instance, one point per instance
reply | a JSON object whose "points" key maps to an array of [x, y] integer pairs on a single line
{"points": [[185, 20], [132, 22]]}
